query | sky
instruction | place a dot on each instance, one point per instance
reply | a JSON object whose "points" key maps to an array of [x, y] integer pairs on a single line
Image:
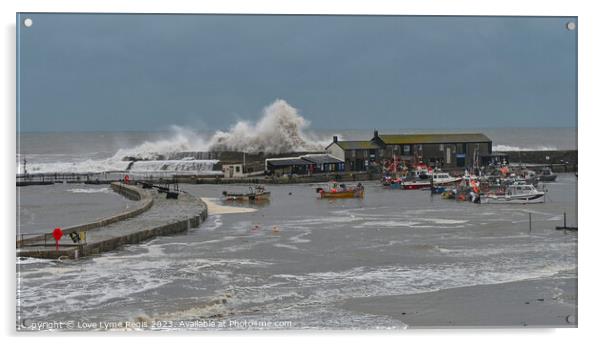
{"points": [[107, 72]]}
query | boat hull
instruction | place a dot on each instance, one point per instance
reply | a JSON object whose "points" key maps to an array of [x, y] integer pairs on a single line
{"points": [[415, 186], [547, 178], [342, 195], [446, 182], [514, 199], [393, 186], [248, 197]]}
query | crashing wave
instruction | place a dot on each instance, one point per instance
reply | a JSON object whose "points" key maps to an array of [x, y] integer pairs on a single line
{"points": [[281, 129], [504, 148]]}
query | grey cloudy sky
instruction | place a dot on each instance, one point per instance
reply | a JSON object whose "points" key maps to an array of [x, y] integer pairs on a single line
{"points": [[147, 72]]}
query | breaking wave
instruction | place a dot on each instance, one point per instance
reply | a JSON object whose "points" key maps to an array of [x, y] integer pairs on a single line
{"points": [[503, 148], [89, 190], [280, 129]]}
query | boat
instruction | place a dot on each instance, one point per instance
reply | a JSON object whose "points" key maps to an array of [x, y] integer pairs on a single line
{"points": [[442, 179], [547, 175], [392, 183], [255, 193], [341, 191], [417, 184], [438, 189], [515, 194]]}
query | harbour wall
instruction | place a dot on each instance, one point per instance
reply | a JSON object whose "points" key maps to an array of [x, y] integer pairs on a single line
{"points": [[559, 160], [127, 191], [138, 235], [343, 176]]}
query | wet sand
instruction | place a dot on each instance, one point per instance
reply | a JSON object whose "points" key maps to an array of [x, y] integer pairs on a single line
{"points": [[529, 303], [214, 208]]}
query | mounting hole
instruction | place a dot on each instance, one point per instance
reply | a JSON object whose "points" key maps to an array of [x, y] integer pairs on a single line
{"points": [[571, 26], [28, 22]]}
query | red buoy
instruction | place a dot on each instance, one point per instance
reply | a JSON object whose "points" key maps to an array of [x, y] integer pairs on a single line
{"points": [[57, 234]]}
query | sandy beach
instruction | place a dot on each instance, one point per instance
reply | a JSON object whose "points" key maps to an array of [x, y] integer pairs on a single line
{"points": [[214, 208], [529, 303]]}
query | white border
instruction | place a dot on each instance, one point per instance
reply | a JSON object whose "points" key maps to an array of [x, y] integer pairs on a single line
{"points": [[590, 59]]}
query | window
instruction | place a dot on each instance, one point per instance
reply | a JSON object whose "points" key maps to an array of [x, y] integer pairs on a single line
{"points": [[237, 168], [407, 150]]}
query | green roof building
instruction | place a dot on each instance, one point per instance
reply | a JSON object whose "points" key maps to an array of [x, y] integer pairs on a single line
{"points": [[444, 150]]}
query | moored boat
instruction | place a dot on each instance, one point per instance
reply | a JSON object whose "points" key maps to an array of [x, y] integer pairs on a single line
{"points": [[547, 175], [420, 184], [515, 194], [255, 193], [341, 191], [443, 179], [438, 189]]}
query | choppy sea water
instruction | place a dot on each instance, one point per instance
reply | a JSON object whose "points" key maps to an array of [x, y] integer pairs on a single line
{"points": [[294, 261]]}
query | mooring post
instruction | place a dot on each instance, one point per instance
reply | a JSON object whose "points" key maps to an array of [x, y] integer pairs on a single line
{"points": [[529, 222], [565, 220]]}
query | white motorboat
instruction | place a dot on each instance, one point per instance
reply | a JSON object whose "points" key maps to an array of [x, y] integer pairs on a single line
{"points": [[441, 178], [515, 194]]}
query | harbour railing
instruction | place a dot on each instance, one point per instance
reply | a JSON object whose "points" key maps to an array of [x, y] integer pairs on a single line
{"points": [[47, 240]]}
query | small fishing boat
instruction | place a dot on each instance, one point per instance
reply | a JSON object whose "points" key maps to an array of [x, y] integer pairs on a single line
{"points": [[341, 191], [547, 175], [515, 194], [255, 193]]}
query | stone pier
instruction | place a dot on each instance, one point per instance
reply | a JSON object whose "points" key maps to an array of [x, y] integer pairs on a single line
{"points": [[154, 216]]}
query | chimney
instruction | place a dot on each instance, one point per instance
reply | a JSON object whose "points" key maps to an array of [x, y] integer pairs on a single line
{"points": [[335, 139], [375, 133]]}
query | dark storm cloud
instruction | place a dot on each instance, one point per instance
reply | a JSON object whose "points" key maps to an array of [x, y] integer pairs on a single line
{"points": [[145, 72]]}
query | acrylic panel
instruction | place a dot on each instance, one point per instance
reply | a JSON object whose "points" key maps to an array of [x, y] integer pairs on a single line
{"points": [[299, 172]]}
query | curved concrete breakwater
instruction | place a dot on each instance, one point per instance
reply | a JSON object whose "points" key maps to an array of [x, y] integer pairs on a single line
{"points": [[155, 216]]}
